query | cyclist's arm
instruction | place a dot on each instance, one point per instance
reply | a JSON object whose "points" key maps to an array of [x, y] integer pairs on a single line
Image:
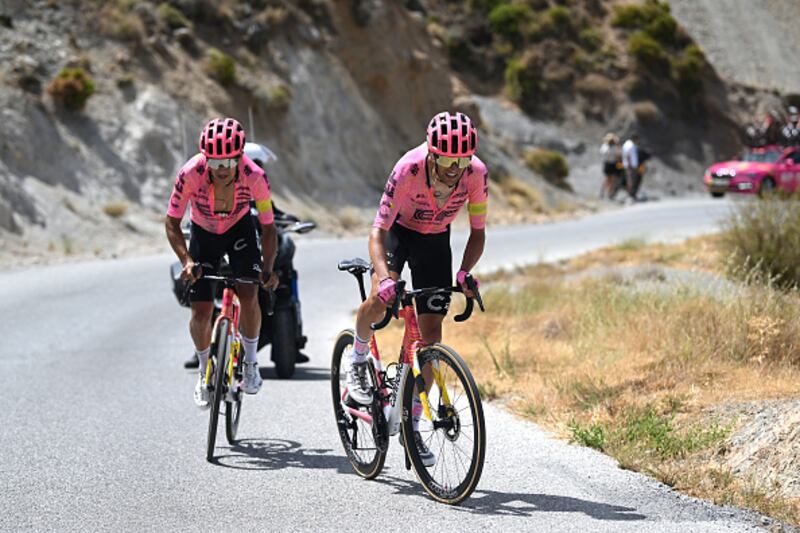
{"points": [[175, 238], [377, 252], [474, 249]]}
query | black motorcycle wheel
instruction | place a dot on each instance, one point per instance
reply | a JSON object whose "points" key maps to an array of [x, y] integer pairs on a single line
{"points": [[284, 347]]}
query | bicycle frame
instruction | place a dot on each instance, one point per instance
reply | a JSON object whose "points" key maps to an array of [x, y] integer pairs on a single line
{"points": [[412, 341], [230, 311]]}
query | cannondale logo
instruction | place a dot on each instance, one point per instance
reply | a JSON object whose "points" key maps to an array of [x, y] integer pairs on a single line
{"points": [[241, 244], [437, 302]]}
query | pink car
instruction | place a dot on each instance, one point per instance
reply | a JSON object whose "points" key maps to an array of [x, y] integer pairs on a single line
{"points": [[759, 171]]}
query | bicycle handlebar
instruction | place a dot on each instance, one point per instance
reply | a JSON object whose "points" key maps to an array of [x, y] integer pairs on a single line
{"points": [[231, 280], [402, 294]]}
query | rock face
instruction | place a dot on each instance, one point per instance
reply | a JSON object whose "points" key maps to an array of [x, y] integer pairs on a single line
{"points": [[754, 42]]}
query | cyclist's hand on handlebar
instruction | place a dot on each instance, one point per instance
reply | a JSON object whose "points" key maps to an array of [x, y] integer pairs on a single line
{"points": [[387, 291], [461, 278], [269, 280], [191, 271]]}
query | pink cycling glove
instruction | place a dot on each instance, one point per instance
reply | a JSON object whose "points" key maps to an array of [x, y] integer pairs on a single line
{"points": [[387, 290], [461, 278]]}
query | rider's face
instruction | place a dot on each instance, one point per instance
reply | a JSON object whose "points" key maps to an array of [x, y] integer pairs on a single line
{"points": [[222, 176], [449, 175]]}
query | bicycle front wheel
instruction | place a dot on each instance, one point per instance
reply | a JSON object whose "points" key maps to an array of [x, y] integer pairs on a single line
{"points": [[358, 436], [455, 432], [219, 358], [233, 409]]}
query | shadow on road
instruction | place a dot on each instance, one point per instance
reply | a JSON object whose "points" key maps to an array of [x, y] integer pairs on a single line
{"points": [[277, 454], [489, 502], [300, 373]]}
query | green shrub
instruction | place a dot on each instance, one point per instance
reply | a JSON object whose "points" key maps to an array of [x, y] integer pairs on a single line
{"points": [[560, 19], [509, 19], [687, 71], [525, 80], [663, 28], [549, 164], [637, 16], [591, 39], [275, 98], [221, 67], [173, 16], [72, 88], [761, 242], [648, 53], [485, 5]]}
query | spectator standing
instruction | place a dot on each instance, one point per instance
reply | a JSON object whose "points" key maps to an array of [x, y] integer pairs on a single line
{"points": [[630, 162], [612, 157]]}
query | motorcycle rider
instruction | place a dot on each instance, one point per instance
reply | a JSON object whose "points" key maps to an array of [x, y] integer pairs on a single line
{"points": [[219, 183]]}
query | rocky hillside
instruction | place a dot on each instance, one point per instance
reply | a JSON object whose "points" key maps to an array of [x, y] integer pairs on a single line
{"points": [[102, 101]]}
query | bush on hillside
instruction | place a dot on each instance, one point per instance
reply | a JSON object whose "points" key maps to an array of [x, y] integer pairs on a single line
{"points": [[687, 71], [560, 19], [509, 19], [72, 88], [525, 80], [221, 67], [591, 39], [648, 52], [173, 17], [653, 17], [761, 241], [551, 165]]}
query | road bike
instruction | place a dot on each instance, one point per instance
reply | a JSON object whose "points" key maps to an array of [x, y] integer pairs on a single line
{"points": [[223, 376], [451, 424]]}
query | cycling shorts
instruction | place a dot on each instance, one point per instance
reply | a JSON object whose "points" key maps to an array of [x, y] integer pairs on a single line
{"points": [[206, 248], [430, 259]]}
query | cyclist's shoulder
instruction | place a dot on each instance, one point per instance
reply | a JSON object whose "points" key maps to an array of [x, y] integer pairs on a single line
{"points": [[476, 173], [193, 168], [251, 170], [412, 163]]}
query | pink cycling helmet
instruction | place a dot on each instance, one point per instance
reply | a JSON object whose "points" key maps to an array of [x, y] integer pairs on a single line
{"points": [[222, 138], [452, 135]]}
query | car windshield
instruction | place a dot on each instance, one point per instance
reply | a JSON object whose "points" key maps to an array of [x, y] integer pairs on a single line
{"points": [[761, 157]]}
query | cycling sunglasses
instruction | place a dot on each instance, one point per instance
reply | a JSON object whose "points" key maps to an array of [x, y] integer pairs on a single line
{"points": [[217, 164], [447, 162]]}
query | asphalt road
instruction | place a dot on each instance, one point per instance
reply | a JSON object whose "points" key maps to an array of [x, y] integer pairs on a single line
{"points": [[99, 432]]}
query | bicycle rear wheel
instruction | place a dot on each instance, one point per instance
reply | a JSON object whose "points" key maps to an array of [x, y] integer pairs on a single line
{"points": [[358, 436], [457, 432], [219, 358]]}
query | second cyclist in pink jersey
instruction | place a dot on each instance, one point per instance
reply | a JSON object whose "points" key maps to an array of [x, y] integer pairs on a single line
{"points": [[426, 189], [219, 183]]}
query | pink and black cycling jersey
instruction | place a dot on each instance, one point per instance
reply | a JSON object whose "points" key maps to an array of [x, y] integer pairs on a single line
{"points": [[193, 184], [408, 196]]}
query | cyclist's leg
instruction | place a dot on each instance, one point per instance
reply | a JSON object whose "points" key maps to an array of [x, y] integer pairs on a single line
{"points": [[430, 262], [373, 309], [245, 260], [204, 248]]}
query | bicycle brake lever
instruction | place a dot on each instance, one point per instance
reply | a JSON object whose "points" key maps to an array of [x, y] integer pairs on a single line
{"points": [[471, 285]]}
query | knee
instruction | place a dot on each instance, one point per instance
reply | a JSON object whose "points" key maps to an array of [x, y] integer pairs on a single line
{"points": [[201, 315]]}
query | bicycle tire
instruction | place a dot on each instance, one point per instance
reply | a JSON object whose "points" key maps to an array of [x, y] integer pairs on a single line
{"points": [[457, 375], [219, 356], [366, 461], [284, 343], [233, 410]]}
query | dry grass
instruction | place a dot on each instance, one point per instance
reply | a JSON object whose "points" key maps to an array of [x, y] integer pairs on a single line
{"points": [[633, 371]]}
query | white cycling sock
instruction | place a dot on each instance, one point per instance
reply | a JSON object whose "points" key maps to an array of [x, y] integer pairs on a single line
{"points": [[202, 356], [250, 349], [416, 412], [360, 350]]}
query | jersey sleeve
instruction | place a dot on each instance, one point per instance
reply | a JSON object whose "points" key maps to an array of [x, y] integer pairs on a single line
{"points": [[478, 198], [390, 201], [181, 191], [259, 188]]}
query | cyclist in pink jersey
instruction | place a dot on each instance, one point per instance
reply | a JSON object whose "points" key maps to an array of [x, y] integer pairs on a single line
{"points": [[219, 183], [425, 191]]}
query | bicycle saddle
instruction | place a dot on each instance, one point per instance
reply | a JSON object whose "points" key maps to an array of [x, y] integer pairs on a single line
{"points": [[354, 266]]}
